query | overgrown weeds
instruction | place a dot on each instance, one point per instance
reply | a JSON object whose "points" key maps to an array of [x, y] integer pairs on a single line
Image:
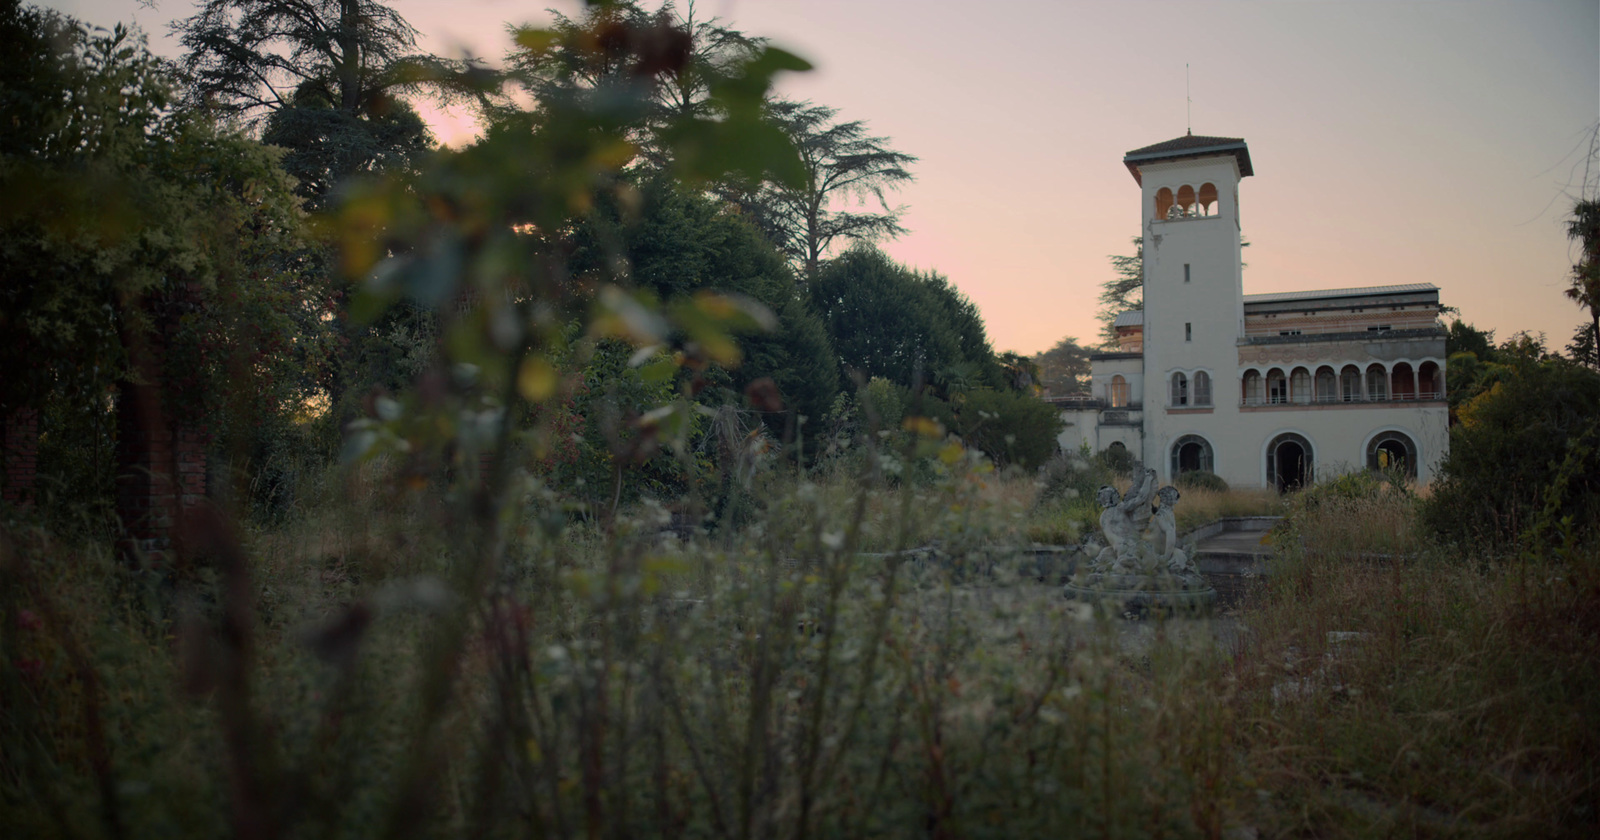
{"points": [[1392, 687]]}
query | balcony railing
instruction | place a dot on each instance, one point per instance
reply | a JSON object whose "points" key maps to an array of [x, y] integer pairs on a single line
{"points": [[1322, 399]]}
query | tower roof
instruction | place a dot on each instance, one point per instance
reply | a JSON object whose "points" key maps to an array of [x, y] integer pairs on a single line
{"points": [[1189, 146]]}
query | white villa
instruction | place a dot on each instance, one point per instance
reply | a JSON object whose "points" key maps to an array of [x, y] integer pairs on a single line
{"points": [[1263, 390]]}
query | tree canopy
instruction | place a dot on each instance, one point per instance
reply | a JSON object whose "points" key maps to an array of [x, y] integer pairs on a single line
{"points": [[322, 78], [887, 320], [1124, 291], [679, 242], [124, 215], [1064, 368], [1584, 229], [842, 163]]}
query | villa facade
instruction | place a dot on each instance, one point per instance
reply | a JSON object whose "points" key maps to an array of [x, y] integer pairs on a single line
{"points": [[1264, 390]]}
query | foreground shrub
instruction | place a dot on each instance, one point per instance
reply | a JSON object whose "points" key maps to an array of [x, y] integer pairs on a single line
{"points": [[1201, 480], [1009, 426], [1352, 515], [1507, 452], [1420, 695], [610, 683]]}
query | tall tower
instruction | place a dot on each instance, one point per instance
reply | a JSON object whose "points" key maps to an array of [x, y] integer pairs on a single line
{"points": [[1193, 286]]}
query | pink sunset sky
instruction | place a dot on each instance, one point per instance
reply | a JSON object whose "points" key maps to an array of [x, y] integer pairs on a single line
{"points": [[1394, 142]]}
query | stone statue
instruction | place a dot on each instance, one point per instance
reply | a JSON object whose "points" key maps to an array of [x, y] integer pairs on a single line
{"points": [[1124, 521], [1164, 535], [1142, 564]]}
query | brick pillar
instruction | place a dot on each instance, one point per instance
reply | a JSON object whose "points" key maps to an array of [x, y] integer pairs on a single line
{"points": [[161, 461], [19, 440]]}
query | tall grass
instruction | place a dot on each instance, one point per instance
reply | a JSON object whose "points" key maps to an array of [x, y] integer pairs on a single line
{"points": [[334, 677], [346, 674], [1391, 688]]}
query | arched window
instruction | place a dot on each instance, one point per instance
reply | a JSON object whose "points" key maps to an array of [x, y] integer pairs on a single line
{"points": [[1277, 387], [1192, 453], [1289, 464], [1186, 199], [1119, 391], [1327, 385], [1350, 384], [1377, 382], [1180, 389], [1202, 388], [1393, 451], [1300, 386], [1163, 202], [1403, 382], [1252, 387], [1208, 199], [1430, 382]]}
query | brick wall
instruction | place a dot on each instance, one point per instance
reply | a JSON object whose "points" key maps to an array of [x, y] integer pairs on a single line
{"points": [[19, 440]]}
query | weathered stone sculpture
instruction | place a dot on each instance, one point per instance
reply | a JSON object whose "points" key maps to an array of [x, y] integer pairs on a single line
{"points": [[1164, 537], [1142, 565], [1124, 521]]}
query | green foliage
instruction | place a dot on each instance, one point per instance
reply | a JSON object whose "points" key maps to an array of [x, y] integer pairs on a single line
{"points": [[676, 243], [682, 61], [325, 145], [1064, 368], [886, 320], [616, 461], [1462, 337], [1201, 480], [1019, 372], [1124, 291], [1584, 349], [1415, 677], [132, 225], [322, 76], [1507, 449], [883, 404], [248, 57], [1584, 229], [1117, 459], [1070, 475], [841, 162], [1010, 427]]}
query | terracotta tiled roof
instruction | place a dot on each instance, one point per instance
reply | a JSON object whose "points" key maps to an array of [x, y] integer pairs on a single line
{"points": [[1359, 291], [1190, 146]]}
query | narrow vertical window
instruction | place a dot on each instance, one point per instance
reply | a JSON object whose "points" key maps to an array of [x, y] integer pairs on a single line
{"points": [[1185, 272], [1188, 331]]}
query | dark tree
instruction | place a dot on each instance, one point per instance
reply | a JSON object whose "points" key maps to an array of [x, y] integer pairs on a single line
{"points": [[1583, 349], [326, 144], [886, 320], [1124, 291], [1465, 338], [250, 57], [679, 59], [322, 77], [1064, 368], [681, 242], [1510, 444], [843, 163], [1020, 373], [1584, 229], [142, 250]]}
